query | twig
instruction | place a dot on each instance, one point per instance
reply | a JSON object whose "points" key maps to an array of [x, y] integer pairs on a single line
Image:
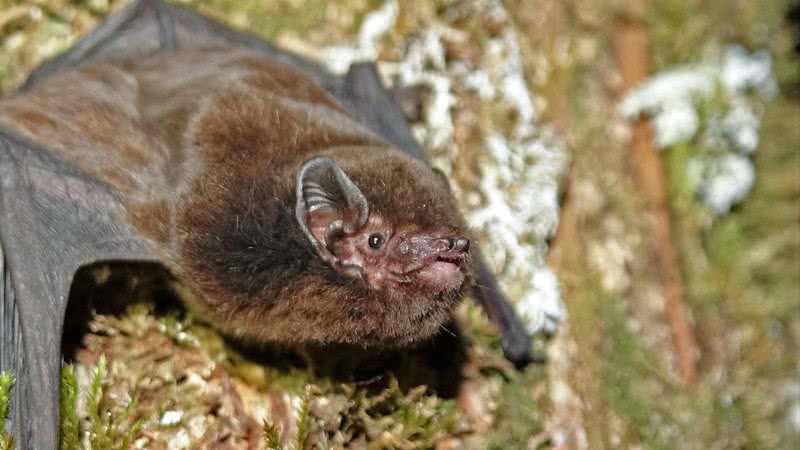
{"points": [[632, 54]]}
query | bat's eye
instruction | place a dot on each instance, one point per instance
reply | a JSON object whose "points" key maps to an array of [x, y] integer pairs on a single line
{"points": [[375, 241]]}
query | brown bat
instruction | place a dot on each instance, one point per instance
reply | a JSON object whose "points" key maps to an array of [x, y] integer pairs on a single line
{"points": [[293, 204]]}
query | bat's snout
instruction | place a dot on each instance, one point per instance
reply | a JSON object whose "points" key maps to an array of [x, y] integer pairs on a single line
{"points": [[459, 244]]}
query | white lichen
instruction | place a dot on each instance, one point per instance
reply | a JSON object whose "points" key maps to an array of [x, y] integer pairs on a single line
{"points": [[721, 181], [541, 308], [678, 88], [180, 441], [519, 184], [611, 258], [742, 71], [375, 25], [677, 123], [197, 426], [724, 89], [505, 60], [171, 418], [479, 82], [740, 127]]}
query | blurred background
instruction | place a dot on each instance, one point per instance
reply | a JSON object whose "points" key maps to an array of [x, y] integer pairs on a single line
{"points": [[632, 170]]}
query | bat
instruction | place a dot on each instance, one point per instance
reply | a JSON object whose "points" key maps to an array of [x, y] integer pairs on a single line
{"points": [[294, 202]]}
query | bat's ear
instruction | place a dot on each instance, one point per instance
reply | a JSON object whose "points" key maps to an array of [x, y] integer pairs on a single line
{"points": [[329, 204]]}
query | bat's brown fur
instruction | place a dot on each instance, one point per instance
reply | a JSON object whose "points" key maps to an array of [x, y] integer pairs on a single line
{"points": [[203, 148]]}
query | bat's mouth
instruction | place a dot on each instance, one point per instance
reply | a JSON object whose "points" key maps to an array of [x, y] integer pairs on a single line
{"points": [[443, 271], [454, 258], [438, 263]]}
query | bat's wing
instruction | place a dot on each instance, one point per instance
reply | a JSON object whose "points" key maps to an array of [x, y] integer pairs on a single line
{"points": [[53, 220], [362, 92], [146, 27]]}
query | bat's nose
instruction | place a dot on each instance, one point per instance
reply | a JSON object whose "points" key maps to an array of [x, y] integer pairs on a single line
{"points": [[460, 244], [426, 246]]}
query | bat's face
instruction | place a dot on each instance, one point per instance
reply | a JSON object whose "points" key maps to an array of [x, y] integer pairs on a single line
{"points": [[393, 233], [388, 256]]}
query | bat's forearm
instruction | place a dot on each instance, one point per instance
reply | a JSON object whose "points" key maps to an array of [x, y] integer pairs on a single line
{"points": [[514, 338]]}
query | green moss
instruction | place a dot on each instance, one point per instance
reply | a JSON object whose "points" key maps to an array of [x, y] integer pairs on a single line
{"points": [[519, 414], [272, 436], [403, 419], [303, 422], [70, 423], [630, 373], [266, 19], [6, 383], [109, 427]]}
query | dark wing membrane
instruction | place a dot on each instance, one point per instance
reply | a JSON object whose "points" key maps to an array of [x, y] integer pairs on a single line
{"points": [[53, 220], [363, 94], [149, 26]]}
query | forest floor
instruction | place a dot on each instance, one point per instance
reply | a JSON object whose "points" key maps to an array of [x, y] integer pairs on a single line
{"points": [[611, 376]]}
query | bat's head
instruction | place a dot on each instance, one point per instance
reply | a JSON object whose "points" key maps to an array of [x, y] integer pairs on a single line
{"points": [[384, 251], [388, 227], [358, 247]]}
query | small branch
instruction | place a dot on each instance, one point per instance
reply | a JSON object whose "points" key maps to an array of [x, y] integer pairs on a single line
{"points": [[632, 54]]}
